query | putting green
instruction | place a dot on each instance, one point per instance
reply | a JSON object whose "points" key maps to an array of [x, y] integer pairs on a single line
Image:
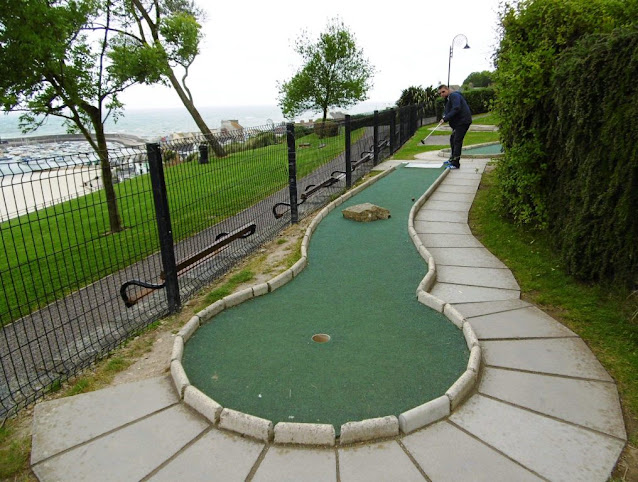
{"points": [[387, 352]]}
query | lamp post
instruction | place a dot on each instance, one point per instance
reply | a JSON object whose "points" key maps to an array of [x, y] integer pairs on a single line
{"points": [[449, 65]]}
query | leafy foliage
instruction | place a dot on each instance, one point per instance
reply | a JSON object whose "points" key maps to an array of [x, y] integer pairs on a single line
{"points": [[549, 181], [478, 79], [58, 68], [334, 73], [593, 136], [419, 95]]}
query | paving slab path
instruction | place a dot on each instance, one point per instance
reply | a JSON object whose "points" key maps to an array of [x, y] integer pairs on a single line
{"points": [[544, 407]]}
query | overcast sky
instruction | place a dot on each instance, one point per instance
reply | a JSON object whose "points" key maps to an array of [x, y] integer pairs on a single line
{"points": [[248, 47]]}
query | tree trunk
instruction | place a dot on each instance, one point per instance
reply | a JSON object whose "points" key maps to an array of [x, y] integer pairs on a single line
{"points": [[217, 147], [115, 221]]}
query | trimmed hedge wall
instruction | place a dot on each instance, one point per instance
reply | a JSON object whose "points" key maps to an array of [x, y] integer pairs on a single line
{"points": [[567, 103], [593, 135], [480, 101]]}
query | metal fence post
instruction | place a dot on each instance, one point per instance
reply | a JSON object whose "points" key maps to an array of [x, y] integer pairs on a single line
{"points": [[203, 153], [164, 230], [393, 128], [348, 130], [375, 136], [292, 172]]}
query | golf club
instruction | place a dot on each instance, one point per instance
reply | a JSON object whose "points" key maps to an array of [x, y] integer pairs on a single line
{"points": [[431, 132]]}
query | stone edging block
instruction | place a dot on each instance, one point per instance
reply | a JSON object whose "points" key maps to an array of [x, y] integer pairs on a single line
{"points": [[299, 266], [180, 380], [431, 301], [369, 429], [280, 280], [189, 328], [236, 298], [425, 414], [245, 424], [474, 363], [454, 316], [461, 388], [305, 434], [260, 289], [470, 336], [178, 349], [210, 311], [202, 403]]}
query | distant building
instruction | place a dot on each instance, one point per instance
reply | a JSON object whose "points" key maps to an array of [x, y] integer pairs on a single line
{"points": [[231, 127]]}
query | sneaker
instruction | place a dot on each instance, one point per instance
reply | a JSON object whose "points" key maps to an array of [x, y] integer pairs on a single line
{"points": [[451, 166]]}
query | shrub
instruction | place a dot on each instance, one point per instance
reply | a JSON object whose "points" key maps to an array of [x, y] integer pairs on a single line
{"points": [[262, 139], [480, 100], [326, 129]]}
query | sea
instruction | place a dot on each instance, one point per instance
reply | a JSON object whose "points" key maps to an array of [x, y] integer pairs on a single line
{"points": [[151, 124]]}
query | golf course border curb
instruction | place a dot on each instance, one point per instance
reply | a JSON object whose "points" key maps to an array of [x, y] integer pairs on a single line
{"points": [[320, 434]]}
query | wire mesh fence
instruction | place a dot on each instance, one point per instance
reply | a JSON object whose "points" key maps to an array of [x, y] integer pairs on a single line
{"points": [[82, 270]]}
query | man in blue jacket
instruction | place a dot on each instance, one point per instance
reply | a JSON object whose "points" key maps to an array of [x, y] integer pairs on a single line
{"points": [[459, 116]]}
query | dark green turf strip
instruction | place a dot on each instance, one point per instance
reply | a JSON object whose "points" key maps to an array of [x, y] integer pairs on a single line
{"points": [[387, 353]]}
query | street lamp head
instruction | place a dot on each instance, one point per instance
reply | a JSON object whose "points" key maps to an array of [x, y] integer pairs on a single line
{"points": [[467, 46]]}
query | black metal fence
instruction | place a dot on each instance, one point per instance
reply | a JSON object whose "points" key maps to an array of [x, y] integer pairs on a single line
{"points": [[74, 287]]}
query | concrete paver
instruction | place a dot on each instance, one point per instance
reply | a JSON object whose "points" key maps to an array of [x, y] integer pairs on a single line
{"points": [[445, 216], [456, 205], [217, 455], [553, 449], [377, 462], [441, 227], [130, 453], [285, 463], [592, 404], [445, 240], [477, 257], [445, 452], [559, 356], [470, 310], [451, 197], [61, 424], [486, 277], [455, 293], [524, 323], [457, 188]]}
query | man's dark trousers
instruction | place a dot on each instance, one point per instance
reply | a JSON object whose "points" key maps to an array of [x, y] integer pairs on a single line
{"points": [[456, 143]]}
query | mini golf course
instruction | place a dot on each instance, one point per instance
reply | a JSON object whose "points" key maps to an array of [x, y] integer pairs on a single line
{"points": [[383, 353]]}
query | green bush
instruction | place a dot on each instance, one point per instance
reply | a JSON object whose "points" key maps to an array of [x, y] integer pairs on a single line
{"points": [[326, 129], [566, 103], [480, 100], [262, 139], [593, 191]]}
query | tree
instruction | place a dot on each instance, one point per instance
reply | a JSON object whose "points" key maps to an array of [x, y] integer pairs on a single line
{"points": [[156, 39], [478, 79], [58, 67], [334, 73], [418, 95]]}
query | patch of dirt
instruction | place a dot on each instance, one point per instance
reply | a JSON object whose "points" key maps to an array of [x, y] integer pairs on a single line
{"points": [[269, 260]]}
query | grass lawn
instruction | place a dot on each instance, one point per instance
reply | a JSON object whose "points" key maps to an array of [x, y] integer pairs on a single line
{"points": [[602, 316], [55, 251], [413, 146]]}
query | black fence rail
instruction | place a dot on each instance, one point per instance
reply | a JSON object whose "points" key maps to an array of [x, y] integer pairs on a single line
{"points": [[76, 284]]}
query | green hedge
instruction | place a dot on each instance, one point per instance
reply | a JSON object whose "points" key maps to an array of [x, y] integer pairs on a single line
{"points": [[480, 101], [565, 97], [593, 189]]}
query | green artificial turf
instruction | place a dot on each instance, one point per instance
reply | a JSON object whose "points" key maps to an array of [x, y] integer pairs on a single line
{"points": [[388, 353]]}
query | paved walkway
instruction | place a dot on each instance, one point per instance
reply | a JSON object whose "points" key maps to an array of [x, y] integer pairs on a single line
{"points": [[544, 408]]}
